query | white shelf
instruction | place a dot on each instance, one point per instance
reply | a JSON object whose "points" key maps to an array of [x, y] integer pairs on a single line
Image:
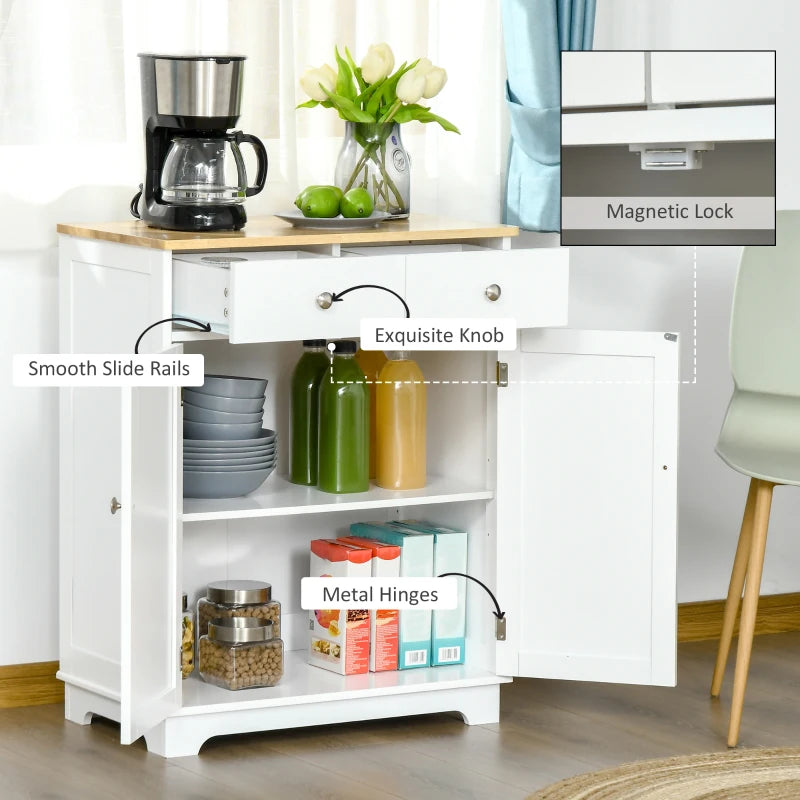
{"points": [[715, 124], [303, 683], [277, 497]]}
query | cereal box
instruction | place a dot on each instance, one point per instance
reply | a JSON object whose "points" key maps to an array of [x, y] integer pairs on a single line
{"points": [[383, 623], [449, 625], [339, 637], [416, 561]]}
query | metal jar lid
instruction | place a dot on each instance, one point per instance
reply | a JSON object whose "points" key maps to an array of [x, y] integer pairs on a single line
{"points": [[235, 630], [239, 593]]}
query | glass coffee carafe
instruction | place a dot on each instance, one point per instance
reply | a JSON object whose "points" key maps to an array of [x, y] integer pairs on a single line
{"points": [[210, 170]]}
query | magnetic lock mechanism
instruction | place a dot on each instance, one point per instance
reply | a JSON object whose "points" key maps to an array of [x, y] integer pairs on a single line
{"points": [[684, 155]]}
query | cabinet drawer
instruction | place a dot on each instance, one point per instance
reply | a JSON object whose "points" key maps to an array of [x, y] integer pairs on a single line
{"points": [[712, 77], [533, 285], [592, 78], [271, 296]]}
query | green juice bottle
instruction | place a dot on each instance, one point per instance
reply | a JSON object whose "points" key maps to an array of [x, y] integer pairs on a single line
{"points": [[306, 378], [344, 424]]}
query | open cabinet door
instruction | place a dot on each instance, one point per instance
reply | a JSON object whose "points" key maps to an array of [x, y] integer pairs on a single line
{"points": [[150, 678], [586, 506]]}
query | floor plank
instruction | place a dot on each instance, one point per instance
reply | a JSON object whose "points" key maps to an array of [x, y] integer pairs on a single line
{"points": [[548, 730]]}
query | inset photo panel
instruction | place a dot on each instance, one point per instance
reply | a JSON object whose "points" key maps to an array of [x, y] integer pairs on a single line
{"points": [[668, 147]]}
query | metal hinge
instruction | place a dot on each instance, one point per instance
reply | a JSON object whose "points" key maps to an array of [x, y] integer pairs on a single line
{"points": [[502, 373], [671, 337], [500, 628]]}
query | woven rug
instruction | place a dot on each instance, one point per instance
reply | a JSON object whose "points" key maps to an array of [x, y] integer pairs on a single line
{"points": [[755, 774]]}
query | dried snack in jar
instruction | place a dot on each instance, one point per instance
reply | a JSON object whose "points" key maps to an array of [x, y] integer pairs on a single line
{"points": [[240, 653], [228, 599], [187, 639]]}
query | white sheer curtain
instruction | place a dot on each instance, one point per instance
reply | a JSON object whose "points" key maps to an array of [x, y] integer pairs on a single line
{"points": [[70, 120], [455, 175], [71, 150]]}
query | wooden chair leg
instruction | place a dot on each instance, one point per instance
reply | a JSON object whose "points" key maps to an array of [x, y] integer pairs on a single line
{"points": [[735, 589], [750, 605]]}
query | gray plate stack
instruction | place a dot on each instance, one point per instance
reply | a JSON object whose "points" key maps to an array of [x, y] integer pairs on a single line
{"points": [[226, 452]]}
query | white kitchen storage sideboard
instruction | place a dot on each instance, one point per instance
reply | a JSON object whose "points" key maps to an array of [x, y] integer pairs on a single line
{"points": [[564, 474]]}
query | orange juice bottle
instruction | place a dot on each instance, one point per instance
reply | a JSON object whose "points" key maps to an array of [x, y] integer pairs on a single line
{"points": [[400, 424], [371, 362]]}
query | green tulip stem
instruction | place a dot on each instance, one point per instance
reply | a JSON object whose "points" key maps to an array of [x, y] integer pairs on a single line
{"points": [[393, 109], [370, 153]]}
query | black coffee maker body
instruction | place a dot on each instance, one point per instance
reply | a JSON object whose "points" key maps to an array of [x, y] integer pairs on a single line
{"points": [[195, 175]]}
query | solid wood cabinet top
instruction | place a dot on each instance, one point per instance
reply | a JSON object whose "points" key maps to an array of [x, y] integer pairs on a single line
{"points": [[273, 232]]}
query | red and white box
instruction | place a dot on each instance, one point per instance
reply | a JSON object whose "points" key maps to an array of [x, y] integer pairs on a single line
{"points": [[383, 622], [339, 637]]}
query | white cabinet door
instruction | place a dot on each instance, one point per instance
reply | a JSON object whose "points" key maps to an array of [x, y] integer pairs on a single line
{"points": [[586, 506], [593, 78], [150, 570], [711, 77]]}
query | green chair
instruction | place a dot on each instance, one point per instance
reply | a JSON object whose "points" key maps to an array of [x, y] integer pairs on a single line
{"points": [[760, 436]]}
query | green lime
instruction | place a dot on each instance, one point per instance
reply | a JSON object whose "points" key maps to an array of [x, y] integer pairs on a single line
{"points": [[319, 201], [298, 201], [356, 203]]}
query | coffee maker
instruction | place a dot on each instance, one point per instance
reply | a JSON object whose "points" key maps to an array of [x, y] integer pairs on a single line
{"points": [[195, 176]]}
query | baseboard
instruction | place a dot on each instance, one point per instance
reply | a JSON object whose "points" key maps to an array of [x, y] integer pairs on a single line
{"points": [[777, 613], [30, 685]]}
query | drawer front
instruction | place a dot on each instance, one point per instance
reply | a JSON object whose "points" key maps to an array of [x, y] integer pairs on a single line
{"points": [[271, 301], [533, 285], [593, 78], [708, 77]]}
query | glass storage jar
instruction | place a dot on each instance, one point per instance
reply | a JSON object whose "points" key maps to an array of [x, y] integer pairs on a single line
{"points": [[187, 638], [238, 599], [240, 653]]}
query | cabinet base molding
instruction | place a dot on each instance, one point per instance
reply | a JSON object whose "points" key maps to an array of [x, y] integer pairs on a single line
{"points": [[777, 613], [30, 685], [185, 733]]}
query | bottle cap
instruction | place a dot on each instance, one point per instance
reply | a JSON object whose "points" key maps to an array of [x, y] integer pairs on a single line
{"points": [[345, 347], [314, 343], [398, 355]]}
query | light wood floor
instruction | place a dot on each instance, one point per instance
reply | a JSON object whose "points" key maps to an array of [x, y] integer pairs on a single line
{"points": [[548, 730]]}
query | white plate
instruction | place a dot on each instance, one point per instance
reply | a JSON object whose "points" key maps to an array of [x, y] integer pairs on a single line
{"points": [[297, 219]]}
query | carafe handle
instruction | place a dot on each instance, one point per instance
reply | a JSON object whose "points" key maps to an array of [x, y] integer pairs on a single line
{"points": [[263, 163]]}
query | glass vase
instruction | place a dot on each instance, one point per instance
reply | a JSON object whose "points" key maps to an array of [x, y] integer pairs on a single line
{"points": [[373, 157]]}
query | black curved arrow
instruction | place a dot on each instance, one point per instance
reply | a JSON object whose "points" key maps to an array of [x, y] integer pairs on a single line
{"points": [[499, 614], [204, 326], [337, 296]]}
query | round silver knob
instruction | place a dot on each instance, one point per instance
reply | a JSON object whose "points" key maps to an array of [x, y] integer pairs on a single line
{"points": [[324, 300], [115, 505], [493, 292]]}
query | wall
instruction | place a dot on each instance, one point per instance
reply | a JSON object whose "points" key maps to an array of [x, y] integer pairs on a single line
{"points": [[651, 287]]}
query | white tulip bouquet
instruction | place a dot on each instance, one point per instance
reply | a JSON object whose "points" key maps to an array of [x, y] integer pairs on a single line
{"points": [[373, 99], [373, 94]]}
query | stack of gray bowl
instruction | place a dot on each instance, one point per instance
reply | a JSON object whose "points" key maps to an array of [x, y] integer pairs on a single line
{"points": [[226, 452]]}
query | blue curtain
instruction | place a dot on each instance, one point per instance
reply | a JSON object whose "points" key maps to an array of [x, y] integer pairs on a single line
{"points": [[535, 33]]}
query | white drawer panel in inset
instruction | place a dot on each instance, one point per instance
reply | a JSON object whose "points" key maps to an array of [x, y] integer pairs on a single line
{"points": [[590, 78], [712, 77], [533, 285]]}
